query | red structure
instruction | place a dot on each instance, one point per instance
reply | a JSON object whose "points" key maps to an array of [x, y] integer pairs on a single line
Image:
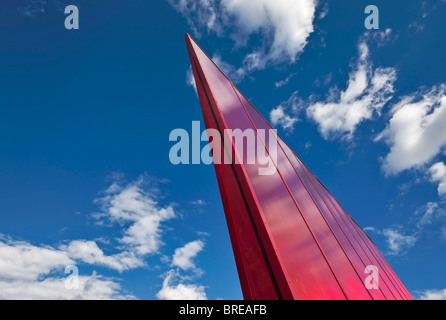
{"points": [[291, 238]]}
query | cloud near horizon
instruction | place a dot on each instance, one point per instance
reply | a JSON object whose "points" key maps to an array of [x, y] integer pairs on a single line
{"points": [[30, 271]]}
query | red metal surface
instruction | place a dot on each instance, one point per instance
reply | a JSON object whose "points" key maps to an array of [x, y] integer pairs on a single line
{"points": [[291, 239]]}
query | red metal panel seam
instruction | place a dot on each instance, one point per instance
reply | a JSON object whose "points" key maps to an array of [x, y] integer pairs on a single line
{"points": [[295, 202], [353, 223], [357, 230], [299, 162], [306, 170], [230, 219], [385, 266], [340, 214], [281, 139], [293, 153], [245, 277], [251, 191], [285, 144], [397, 279], [319, 209], [341, 226], [248, 283], [386, 263], [367, 247], [271, 127]]}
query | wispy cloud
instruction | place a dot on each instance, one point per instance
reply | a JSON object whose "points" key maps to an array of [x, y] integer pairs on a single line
{"points": [[432, 294], [415, 132], [33, 8], [89, 252], [285, 25], [278, 117], [397, 241], [438, 174], [175, 289], [198, 203], [285, 81], [367, 92], [339, 114], [425, 215], [285, 114], [190, 79], [380, 37], [137, 208], [183, 257]]}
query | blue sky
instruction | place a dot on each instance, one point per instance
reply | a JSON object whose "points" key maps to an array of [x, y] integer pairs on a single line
{"points": [[85, 177]]}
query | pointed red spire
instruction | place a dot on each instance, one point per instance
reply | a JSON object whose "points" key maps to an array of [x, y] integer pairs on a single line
{"points": [[291, 238]]}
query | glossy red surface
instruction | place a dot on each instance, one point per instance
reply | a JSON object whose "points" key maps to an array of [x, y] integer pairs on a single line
{"points": [[291, 239]]}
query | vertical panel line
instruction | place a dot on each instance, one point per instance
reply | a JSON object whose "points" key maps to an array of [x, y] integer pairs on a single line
{"points": [[295, 202], [265, 256]]}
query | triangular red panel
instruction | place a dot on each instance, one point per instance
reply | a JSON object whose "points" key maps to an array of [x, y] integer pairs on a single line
{"points": [[291, 238]]}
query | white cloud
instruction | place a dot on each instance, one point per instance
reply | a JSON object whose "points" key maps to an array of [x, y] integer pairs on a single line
{"points": [[178, 287], [381, 37], [428, 214], [290, 22], [323, 10], [280, 115], [279, 118], [22, 260], [144, 236], [183, 256], [32, 272], [190, 79], [416, 132], [285, 25], [38, 272], [89, 252], [136, 208], [172, 290], [198, 203], [438, 174], [198, 13], [90, 288], [433, 294], [397, 241], [366, 93], [281, 83], [400, 239]]}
